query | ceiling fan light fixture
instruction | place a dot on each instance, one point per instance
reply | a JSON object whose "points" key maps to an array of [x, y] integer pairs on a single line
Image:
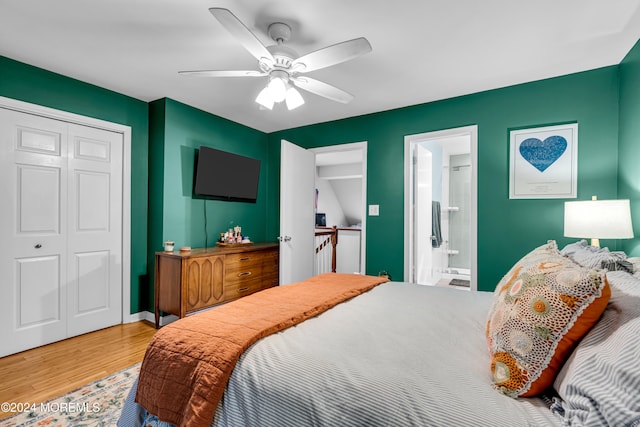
{"points": [[277, 88], [265, 99], [282, 64], [293, 98]]}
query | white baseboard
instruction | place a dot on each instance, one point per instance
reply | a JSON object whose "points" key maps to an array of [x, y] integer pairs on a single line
{"points": [[136, 317], [149, 317]]}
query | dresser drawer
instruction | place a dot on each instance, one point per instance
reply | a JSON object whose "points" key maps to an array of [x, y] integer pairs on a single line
{"points": [[241, 275], [270, 280], [242, 261], [271, 262], [271, 269], [271, 256], [242, 288]]}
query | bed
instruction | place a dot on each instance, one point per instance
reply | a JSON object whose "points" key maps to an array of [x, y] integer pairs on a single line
{"points": [[402, 354]]}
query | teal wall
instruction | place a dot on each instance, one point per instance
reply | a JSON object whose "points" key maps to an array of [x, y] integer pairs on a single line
{"points": [[166, 134], [629, 171], [507, 229], [176, 132], [34, 85]]}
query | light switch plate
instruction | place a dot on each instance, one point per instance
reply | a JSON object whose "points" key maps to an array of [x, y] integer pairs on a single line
{"points": [[374, 210]]}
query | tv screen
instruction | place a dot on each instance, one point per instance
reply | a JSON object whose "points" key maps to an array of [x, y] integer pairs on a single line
{"points": [[226, 176]]}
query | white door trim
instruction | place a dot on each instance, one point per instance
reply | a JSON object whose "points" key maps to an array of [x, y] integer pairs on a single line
{"points": [[350, 147], [472, 131], [25, 107]]}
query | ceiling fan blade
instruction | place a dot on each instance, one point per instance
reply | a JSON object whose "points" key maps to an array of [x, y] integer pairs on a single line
{"points": [[332, 55], [242, 33], [222, 73], [322, 89]]}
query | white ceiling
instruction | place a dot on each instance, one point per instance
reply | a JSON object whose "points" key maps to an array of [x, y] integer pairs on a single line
{"points": [[422, 50]]}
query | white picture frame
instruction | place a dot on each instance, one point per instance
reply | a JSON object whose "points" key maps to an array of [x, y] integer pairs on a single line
{"points": [[543, 162]]}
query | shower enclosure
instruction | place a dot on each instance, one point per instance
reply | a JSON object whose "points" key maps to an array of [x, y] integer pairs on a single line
{"points": [[456, 265]]}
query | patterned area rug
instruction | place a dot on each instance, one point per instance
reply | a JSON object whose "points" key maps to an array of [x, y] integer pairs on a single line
{"points": [[96, 404]]}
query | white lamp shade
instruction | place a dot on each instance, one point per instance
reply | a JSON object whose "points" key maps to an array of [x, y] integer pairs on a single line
{"points": [[599, 219], [264, 99], [277, 89], [293, 99]]}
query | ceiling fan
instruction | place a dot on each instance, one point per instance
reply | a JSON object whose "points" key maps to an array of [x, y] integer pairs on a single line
{"points": [[283, 66]]}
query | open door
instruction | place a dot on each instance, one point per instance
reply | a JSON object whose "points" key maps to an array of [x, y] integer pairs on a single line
{"points": [[297, 219], [423, 219]]}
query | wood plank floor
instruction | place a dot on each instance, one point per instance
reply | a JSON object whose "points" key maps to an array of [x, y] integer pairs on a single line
{"points": [[49, 371]]}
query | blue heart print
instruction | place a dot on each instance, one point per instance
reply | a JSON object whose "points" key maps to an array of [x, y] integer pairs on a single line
{"points": [[542, 154]]}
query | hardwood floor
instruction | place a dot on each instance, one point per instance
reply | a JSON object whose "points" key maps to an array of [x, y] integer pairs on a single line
{"points": [[46, 372]]}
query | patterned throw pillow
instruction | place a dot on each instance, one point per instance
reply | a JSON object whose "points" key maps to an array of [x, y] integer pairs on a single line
{"points": [[543, 306]]}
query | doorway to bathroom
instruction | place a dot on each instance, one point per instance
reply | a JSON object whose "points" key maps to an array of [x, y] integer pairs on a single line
{"points": [[441, 208]]}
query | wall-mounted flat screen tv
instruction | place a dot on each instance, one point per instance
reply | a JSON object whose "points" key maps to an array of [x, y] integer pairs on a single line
{"points": [[221, 175]]}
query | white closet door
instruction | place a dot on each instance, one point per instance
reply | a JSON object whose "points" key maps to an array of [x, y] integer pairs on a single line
{"points": [[33, 250], [95, 229], [49, 199]]}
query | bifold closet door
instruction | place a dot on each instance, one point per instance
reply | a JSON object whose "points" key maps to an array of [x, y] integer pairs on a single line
{"points": [[61, 194], [94, 274]]}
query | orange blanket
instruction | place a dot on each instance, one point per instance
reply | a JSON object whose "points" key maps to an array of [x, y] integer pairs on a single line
{"points": [[188, 363]]}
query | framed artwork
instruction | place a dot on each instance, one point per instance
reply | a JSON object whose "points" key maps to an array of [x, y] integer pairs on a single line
{"points": [[544, 162]]}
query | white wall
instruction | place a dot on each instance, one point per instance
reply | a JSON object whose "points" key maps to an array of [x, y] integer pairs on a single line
{"points": [[340, 193], [349, 195], [328, 203]]}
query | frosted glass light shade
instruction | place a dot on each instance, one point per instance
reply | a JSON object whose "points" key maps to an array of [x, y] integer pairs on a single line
{"points": [[277, 89], [293, 99], [264, 99], [598, 219]]}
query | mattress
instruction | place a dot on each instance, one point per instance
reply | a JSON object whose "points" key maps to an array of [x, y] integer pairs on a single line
{"points": [[400, 355]]}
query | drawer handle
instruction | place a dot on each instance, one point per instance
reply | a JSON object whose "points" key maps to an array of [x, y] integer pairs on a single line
{"points": [[244, 274], [244, 289], [245, 258]]}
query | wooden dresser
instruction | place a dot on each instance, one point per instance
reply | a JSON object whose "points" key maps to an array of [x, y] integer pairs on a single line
{"points": [[186, 282]]}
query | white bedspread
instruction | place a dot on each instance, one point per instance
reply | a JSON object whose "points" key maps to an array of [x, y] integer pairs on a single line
{"points": [[400, 354]]}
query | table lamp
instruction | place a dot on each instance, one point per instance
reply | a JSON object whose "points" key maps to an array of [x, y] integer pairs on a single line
{"points": [[598, 219]]}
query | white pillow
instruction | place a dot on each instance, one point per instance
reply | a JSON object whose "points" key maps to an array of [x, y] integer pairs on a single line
{"points": [[600, 383], [592, 256], [635, 261]]}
